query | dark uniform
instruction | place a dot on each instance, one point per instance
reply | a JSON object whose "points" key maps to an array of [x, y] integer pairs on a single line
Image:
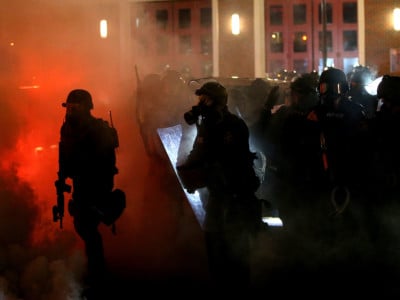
{"points": [[344, 139], [385, 129], [344, 130], [87, 156], [221, 149], [361, 77]]}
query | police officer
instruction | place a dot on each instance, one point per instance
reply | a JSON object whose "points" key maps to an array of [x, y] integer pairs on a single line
{"points": [[360, 77], [343, 135], [87, 157], [221, 148], [386, 128]]}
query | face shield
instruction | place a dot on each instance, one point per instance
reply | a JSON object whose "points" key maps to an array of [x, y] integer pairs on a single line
{"points": [[332, 85]]}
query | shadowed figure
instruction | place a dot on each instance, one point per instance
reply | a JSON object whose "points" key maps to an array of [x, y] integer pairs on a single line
{"points": [[87, 157], [222, 157]]}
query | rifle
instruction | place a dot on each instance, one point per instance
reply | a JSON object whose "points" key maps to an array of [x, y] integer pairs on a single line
{"points": [[58, 210], [114, 131]]}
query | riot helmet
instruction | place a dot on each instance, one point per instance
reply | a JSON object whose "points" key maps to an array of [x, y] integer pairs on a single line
{"points": [[303, 92], [388, 90], [304, 84], [79, 96], [332, 84], [219, 96], [215, 91], [360, 76]]}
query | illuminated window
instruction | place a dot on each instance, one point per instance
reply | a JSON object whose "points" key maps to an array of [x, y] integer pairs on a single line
{"points": [[300, 42], [276, 42]]}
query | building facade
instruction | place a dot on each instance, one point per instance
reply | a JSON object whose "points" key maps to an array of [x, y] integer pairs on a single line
{"points": [[194, 36]]}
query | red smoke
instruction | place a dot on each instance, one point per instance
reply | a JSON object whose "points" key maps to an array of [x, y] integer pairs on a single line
{"points": [[48, 51]]}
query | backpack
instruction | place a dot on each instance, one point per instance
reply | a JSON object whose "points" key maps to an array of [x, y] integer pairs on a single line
{"points": [[113, 204], [109, 209], [112, 207]]}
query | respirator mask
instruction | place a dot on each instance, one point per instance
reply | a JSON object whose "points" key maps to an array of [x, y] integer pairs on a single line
{"points": [[193, 115]]}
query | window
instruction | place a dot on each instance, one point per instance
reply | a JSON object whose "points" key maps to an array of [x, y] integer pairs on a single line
{"points": [[300, 66], [205, 44], [276, 65], [184, 16], [185, 44], [207, 69], [162, 18], [330, 62], [276, 15], [349, 63], [299, 14], [300, 42], [205, 17], [329, 44], [350, 12], [328, 13], [350, 40], [276, 43]]}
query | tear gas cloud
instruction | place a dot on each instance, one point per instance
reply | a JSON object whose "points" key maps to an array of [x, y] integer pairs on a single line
{"points": [[49, 48]]}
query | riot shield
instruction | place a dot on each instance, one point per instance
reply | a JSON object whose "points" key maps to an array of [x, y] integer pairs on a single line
{"points": [[177, 146]]}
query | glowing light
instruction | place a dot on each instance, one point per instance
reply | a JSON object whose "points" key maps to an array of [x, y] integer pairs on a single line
{"points": [[396, 19], [235, 24], [372, 87], [38, 149], [273, 221], [103, 29], [304, 37], [29, 87]]}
